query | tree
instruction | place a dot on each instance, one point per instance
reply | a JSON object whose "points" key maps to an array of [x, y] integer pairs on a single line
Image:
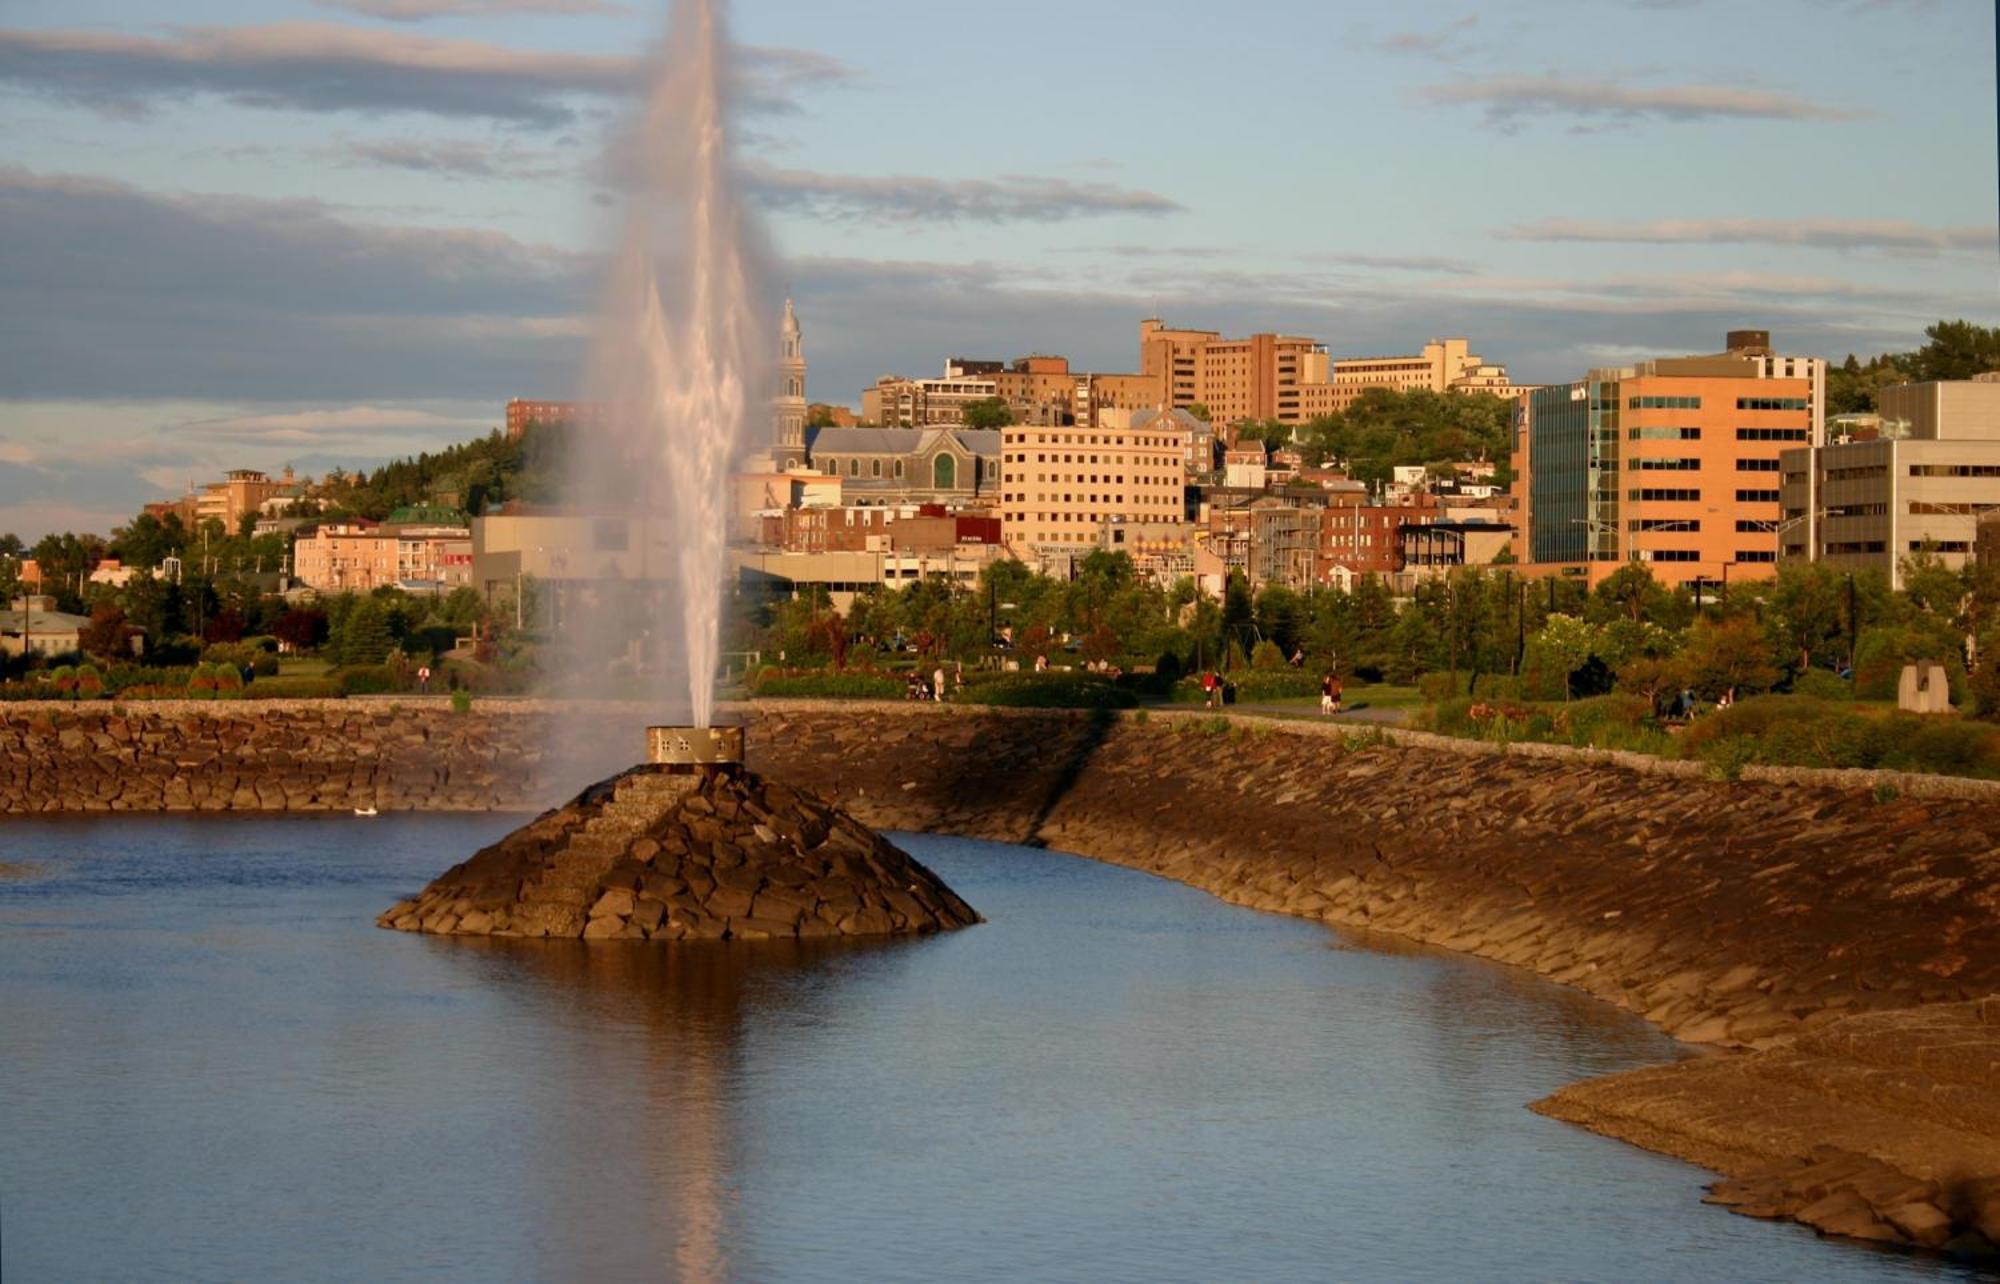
{"points": [[1199, 411], [1957, 350], [301, 628], [1728, 655], [363, 636], [108, 636], [989, 412], [1563, 645]]}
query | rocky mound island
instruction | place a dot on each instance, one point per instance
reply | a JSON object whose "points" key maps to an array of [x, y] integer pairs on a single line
{"points": [[697, 849]]}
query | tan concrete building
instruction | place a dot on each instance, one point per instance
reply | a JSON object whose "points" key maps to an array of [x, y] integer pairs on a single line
{"points": [[1058, 485], [1291, 379], [357, 556], [351, 556], [1673, 464], [1922, 481], [896, 402]]}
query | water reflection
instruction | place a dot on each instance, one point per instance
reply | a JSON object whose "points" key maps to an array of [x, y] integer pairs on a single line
{"points": [[671, 1023]]}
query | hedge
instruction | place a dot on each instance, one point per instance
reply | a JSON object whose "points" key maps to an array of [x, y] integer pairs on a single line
{"points": [[1049, 691], [825, 685], [294, 689]]}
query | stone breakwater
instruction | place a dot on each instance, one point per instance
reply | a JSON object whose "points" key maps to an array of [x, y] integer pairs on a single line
{"points": [[1837, 943], [659, 854], [1818, 931], [277, 755]]}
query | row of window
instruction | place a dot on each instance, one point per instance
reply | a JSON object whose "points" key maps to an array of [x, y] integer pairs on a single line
{"points": [[1665, 495], [1664, 403], [1663, 434], [1691, 555], [1094, 439], [1756, 465], [1955, 470], [1756, 496], [1070, 498], [1667, 465], [1770, 434], [1643, 524], [1773, 403]]}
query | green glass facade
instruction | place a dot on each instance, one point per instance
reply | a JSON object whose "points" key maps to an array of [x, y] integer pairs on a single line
{"points": [[1573, 467]]}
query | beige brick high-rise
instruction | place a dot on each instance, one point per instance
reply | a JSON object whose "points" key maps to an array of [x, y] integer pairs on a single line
{"points": [[1060, 485]]}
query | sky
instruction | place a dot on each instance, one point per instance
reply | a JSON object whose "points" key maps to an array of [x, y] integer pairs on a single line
{"points": [[251, 233]]}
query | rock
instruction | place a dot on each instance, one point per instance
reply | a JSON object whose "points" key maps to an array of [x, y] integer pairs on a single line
{"points": [[1923, 1223], [615, 903], [715, 870]]}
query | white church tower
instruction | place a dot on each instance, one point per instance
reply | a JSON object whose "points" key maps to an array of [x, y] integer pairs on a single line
{"points": [[791, 410]]}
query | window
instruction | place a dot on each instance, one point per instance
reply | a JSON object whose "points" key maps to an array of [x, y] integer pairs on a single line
{"points": [[1940, 546], [875, 467], [1756, 555], [1858, 510], [1857, 546], [1662, 403], [1867, 472], [1773, 403], [1663, 434], [1687, 495], [1670, 555], [1756, 465], [1750, 526], [1756, 496], [1642, 524], [1667, 465], [1770, 434]]}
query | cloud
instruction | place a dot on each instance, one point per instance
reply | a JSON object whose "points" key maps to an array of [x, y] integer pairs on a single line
{"points": [[456, 158], [110, 290], [342, 425], [328, 67], [1508, 99], [1397, 262], [424, 10], [1445, 43], [1818, 233], [1008, 198]]}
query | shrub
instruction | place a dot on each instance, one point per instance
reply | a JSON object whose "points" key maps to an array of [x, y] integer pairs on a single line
{"points": [[824, 685], [294, 689], [1266, 655], [1051, 691], [370, 679], [1819, 684], [1797, 731], [461, 701]]}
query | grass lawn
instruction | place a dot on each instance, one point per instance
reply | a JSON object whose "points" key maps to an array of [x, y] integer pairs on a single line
{"points": [[303, 666]]}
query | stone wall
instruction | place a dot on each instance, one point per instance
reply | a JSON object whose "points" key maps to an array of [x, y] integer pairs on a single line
{"points": [[268, 756]]}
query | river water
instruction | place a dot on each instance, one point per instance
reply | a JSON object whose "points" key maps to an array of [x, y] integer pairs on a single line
{"points": [[213, 1066]]}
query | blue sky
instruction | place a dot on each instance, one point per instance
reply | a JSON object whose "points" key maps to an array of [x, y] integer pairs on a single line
{"points": [[249, 232]]}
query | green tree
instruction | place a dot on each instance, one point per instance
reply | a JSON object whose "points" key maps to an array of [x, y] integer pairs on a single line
{"points": [[1956, 350], [1728, 655], [989, 412], [363, 636]]}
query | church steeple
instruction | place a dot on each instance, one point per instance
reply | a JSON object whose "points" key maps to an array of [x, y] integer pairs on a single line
{"points": [[791, 414]]}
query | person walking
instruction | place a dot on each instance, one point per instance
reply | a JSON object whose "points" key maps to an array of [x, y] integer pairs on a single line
{"points": [[424, 680], [1326, 694], [1211, 687], [937, 683], [1335, 693]]}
